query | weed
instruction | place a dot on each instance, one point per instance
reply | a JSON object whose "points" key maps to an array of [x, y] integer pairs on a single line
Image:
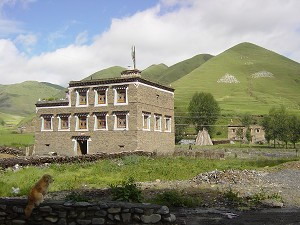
{"points": [[76, 197], [233, 197], [174, 198], [127, 191], [257, 198]]}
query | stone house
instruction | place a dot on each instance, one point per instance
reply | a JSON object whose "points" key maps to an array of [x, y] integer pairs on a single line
{"points": [[108, 115], [257, 133]]}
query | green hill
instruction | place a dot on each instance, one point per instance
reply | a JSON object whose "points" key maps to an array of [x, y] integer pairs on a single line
{"points": [[264, 79], [114, 71], [154, 72], [19, 99], [181, 69]]}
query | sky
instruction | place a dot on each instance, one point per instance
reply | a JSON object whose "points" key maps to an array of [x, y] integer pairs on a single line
{"points": [[61, 40]]}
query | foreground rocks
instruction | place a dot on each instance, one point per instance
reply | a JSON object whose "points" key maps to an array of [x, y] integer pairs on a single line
{"points": [[84, 213]]}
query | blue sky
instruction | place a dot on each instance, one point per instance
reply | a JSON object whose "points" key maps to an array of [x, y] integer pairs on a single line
{"points": [[62, 40]]}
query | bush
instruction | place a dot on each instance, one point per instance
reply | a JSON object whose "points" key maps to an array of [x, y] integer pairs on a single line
{"points": [[75, 196], [233, 197], [218, 133], [173, 198], [127, 191]]}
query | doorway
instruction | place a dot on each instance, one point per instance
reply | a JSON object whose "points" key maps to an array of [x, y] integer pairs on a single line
{"points": [[81, 147]]}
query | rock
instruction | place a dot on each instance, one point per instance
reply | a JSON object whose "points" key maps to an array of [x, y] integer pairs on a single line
{"points": [[103, 205], [62, 214], [81, 215], [171, 218], [62, 221], [3, 214], [126, 217], [138, 210], [148, 212], [17, 209], [114, 210], [126, 210], [136, 217], [84, 222], [51, 219], [110, 216], [101, 213], [98, 221], [72, 214], [45, 209], [154, 218], [272, 203], [163, 210], [17, 222], [82, 204], [2, 207], [117, 217]]}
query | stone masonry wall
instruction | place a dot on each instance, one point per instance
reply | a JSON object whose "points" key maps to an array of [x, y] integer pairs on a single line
{"points": [[84, 213]]}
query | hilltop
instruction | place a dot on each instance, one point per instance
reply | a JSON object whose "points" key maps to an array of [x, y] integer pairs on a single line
{"points": [[244, 78], [19, 99]]}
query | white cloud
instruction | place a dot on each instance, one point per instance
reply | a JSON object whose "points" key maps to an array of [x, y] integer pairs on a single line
{"points": [[26, 40], [169, 32], [81, 38]]}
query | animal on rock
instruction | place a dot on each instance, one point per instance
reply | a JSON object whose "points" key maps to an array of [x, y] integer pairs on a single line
{"points": [[37, 193]]}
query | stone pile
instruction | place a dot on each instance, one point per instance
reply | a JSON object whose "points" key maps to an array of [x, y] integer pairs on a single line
{"points": [[261, 74], [36, 161], [11, 151], [228, 79], [227, 177], [84, 213]]}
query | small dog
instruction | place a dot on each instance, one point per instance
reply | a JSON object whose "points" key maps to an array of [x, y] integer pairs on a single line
{"points": [[37, 193]]}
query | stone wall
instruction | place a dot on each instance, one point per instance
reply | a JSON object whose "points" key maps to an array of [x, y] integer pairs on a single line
{"points": [[84, 213], [36, 161], [11, 151]]}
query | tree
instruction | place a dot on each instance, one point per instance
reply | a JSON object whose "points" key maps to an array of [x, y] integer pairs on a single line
{"points": [[180, 124], [204, 111], [240, 134], [247, 120], [294, 129]]}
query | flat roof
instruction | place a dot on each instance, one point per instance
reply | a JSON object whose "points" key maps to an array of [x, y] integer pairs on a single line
{"points": [[118, 80]]}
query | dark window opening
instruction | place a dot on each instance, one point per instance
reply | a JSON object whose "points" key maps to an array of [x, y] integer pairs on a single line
{"points": [[121, 96], [82, 98], [81, 147], [101, 97]]}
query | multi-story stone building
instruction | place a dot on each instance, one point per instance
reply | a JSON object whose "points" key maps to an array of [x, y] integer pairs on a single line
{"points": [[257, 133], [108, 115]]}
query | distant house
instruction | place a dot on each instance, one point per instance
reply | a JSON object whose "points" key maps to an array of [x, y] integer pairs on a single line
{"points": [[257, 133], [108, 115]]}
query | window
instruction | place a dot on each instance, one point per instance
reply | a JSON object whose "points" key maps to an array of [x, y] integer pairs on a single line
{"points": [[82, 122], [82, 98], [64, 123], [48, 123], [101, 97], [121, 97], [233, 130], [146, 121], [121, 120], [157, 125], [100, 121], [168, 124]]}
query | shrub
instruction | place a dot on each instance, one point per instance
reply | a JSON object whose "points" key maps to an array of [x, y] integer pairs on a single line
{"points": [[127, 191], [173, 198], [233, 197], [75, 196]]}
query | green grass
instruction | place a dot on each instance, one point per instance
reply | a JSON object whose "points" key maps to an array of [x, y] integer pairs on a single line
{"points": [[13, 139], [154, 72], [102, 173], [256, 96], [114, 71]]}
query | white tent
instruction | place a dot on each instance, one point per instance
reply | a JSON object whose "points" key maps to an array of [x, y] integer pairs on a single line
{"points": [[203, 138]]}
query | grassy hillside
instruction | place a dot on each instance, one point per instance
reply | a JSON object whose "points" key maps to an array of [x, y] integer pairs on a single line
{"points": [[19, 99], [181, 69], [110, 72], [154, 72], [265, 79]]}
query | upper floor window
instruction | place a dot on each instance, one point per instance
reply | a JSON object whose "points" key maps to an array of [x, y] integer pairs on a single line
{"points": [[82, 97], [121, 96], [82, 121], [168, 124], [146, 121], [157, 122], [100, 96], [121, 120], [100, 121], [47, 122], [63, 121]]}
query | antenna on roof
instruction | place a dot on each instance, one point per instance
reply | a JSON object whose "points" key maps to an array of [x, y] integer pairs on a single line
{"points": [[133, 56]]}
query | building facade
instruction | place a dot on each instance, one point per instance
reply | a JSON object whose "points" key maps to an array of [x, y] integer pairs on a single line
{"points": [[257, 133], [108, 115]]}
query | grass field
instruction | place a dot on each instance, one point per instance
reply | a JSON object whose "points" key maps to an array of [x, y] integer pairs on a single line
{"points": [[102, 173], [13, 139]]}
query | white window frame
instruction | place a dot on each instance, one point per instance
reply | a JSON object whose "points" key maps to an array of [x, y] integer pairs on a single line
{"points": [[43, 127], [75, 146], [116, 125], [157, 116], [170, 125], [77, 124], [96, 98], [116, 97], [78, 102], [96, 123], [148, 121], [59, 124]]}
